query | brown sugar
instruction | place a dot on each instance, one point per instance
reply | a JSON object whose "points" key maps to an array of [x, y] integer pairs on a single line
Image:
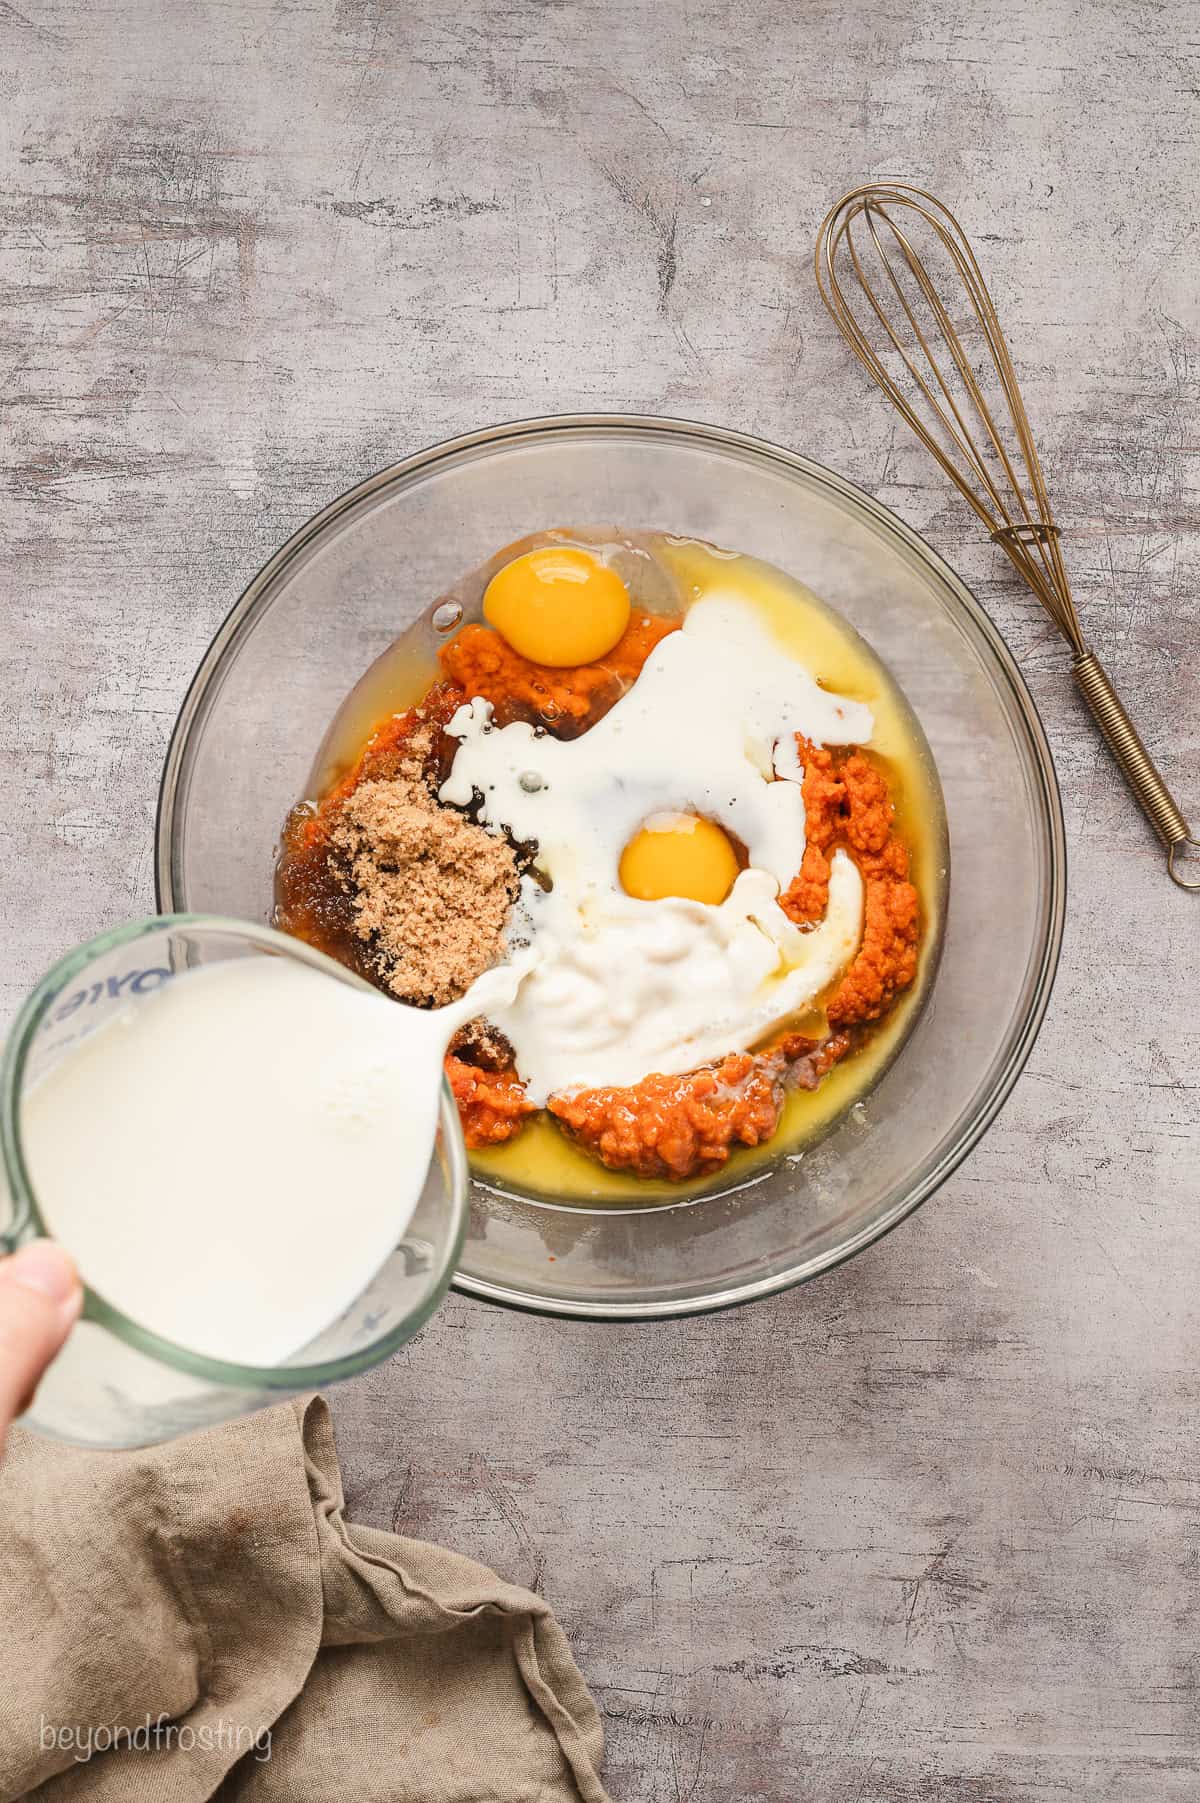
{"points": [[482, 1044], [430, 890]]}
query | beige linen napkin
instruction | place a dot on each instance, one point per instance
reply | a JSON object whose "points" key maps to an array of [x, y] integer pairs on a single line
{"points": [[198, 1620]]}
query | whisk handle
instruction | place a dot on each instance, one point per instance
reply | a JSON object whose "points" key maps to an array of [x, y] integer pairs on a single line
{"points": [[1137, 766]]}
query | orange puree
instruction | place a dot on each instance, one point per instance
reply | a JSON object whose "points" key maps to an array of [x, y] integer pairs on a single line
{"points": [[678, 1126], [847, 802], [480, 662], [491, 1104]]}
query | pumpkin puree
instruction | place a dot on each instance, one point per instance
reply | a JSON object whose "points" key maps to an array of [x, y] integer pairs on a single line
{"points": [[480, 662], [847, 802], [674, 1127]]}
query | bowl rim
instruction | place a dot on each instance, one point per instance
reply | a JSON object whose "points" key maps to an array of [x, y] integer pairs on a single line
{"points": [[255, 596]]}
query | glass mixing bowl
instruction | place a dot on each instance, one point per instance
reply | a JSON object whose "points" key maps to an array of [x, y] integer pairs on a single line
{"points": [[336, 595]]}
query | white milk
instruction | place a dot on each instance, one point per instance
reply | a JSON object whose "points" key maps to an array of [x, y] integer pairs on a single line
{"points": [[624, 987], [231, 1161]]}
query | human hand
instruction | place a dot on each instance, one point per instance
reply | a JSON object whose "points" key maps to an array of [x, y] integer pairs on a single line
{"points": [[40, 1300]]}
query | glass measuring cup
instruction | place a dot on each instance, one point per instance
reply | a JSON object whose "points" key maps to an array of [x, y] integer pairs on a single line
{"points": [[116, 1383]]}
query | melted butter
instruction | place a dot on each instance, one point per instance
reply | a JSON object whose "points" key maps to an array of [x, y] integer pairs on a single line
{"points": [[396, 681]]}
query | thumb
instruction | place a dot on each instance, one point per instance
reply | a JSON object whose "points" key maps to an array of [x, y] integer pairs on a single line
{"points": [[40, 1300]]}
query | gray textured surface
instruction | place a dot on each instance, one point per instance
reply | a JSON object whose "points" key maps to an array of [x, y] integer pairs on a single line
{"points": [[929, 1529]]}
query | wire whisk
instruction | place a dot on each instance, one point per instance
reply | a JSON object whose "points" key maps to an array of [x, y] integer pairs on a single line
{"points": [[894, 268]]}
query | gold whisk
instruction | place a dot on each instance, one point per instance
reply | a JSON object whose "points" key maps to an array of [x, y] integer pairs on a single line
{"points": [[956, 387]]}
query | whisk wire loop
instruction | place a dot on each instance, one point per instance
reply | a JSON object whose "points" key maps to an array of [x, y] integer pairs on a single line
{"points": [[976, 428]]}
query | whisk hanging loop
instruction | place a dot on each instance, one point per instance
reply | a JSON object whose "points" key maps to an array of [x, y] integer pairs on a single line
{"points": [[894, 268]]}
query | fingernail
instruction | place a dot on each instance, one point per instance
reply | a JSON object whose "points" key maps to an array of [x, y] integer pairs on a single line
{"points": [[46, 1268]]}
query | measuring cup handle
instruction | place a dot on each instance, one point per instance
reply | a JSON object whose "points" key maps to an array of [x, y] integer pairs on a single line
{"points": [[1137, 766]]}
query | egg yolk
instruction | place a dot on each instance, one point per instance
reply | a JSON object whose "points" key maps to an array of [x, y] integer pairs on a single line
{"points": [[558, 606], [680, 855]]}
